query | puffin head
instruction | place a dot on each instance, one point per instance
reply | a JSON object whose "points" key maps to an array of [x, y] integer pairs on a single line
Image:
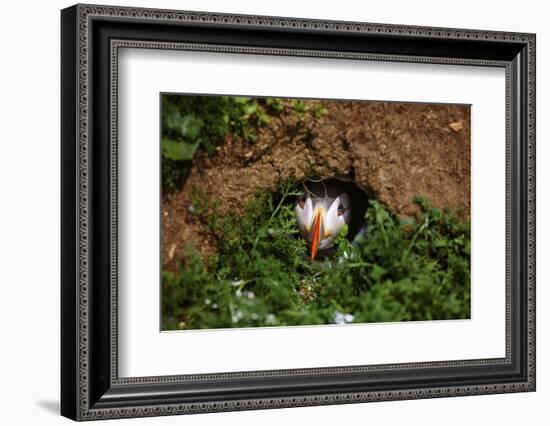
{"points": [[320, 219]]}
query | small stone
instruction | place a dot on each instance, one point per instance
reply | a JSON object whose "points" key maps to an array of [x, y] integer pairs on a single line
{"points": [[172, 251], [457, 126]]}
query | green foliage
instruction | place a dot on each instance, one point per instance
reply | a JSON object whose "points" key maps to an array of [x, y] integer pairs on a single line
{"points": [[416, 269], [177, 150], [300, 108], [190, 123]]}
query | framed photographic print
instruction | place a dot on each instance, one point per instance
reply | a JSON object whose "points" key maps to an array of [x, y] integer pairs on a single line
{"points": [[263, 212]]}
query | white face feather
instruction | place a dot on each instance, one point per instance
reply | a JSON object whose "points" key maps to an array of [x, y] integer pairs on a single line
{"points": [[334, 221], [305, 214], [335, 215]]}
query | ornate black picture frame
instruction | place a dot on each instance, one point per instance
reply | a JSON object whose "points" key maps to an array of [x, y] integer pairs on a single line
{"points": [[91, 388]]}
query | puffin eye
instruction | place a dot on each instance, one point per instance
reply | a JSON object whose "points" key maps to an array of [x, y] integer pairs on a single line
{"points": [[341, 209], [302, 202]]}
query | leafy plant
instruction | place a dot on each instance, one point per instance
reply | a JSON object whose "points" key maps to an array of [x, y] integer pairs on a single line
{"points": [[414, 269], [190, 123]]}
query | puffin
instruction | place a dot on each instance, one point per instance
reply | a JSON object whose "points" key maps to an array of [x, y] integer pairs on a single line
{"points": [[322, 210]]}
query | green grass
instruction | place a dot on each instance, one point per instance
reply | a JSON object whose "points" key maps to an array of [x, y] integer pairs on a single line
{"points": [[417, 269]]}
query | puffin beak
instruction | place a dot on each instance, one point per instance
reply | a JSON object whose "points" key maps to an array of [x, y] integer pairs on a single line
{"points": [[316, 229]]}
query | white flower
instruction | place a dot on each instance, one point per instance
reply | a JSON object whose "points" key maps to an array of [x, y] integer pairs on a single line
{"points": [[341, 318], [236, 283], [237, 316], [270, 319], [207, 301]]}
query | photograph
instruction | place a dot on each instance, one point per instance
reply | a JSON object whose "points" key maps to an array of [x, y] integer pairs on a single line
{"points": [[280, 211]]}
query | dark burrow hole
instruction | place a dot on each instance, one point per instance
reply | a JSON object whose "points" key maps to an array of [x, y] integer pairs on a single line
{"points": [[332, 188]]}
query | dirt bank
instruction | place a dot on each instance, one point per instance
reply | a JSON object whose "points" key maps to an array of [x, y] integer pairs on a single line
{"points": [[393, 151]]}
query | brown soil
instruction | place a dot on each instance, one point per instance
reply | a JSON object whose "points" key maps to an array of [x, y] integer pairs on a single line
{"points": [[393, 151]]}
